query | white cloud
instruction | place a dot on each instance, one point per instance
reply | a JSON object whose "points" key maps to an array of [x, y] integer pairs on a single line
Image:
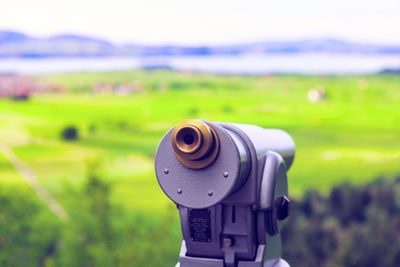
{"points": [[207, 21]]}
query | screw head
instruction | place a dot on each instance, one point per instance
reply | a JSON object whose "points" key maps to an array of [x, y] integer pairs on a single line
{"points": [[179, 191], [166, 171], [226, 174], [282, 207], [210, 193], [228, 241]]}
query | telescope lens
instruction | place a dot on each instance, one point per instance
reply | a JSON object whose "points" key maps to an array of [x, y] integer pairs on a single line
{"points": [[195, 143], [188, 139]]}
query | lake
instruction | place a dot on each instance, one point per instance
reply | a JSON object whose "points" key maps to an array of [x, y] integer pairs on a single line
{"points": [[245, 64]]}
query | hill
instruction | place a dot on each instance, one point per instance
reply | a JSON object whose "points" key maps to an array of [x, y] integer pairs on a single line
{"points": [[15, 44]]}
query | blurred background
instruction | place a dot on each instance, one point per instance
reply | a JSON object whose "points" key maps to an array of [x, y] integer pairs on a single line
{"points": [[88, 89]]}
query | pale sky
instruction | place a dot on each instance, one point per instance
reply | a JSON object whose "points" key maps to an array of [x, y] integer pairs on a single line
{"points": [[206, 21]]}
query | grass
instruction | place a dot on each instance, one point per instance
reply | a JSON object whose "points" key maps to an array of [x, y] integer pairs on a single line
{"points": [[352, 135], [7, 172]]}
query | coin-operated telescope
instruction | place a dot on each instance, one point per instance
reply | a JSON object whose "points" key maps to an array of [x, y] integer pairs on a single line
{"points": [[229, 182]]}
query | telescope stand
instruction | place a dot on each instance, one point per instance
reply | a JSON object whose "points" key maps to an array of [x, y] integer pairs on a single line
{"points": [[269, 263], [272, 259], [274, 184]]}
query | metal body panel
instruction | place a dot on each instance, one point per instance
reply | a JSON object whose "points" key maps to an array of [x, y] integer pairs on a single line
{"points": [[265, 140], [198, 188], [227, 208], [247, 194]]}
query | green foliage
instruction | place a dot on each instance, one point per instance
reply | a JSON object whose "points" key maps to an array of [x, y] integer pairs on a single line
{"points": [[28, 231], [88, 237], [70, 133], [96, 235], [353, 226], [145, 241]]}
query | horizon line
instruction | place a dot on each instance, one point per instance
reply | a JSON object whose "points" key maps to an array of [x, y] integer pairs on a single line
{"points": [[198, 44]]}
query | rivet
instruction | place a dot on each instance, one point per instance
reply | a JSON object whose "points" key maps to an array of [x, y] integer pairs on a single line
{"points": [[228, 242], [210, 193], [166, 171], [226, 174], [179, 191]]}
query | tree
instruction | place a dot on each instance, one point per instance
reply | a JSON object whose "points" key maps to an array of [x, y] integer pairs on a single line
{"points": [[29, 232], [70, 133]]}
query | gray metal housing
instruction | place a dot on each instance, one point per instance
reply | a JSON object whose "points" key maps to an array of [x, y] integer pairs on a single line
{"points": [[226, 209]]}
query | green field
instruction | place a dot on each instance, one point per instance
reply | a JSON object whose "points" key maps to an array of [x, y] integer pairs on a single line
{"points": [[353, 134]]}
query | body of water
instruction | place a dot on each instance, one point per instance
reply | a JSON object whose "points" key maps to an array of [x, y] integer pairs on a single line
{"points": [[244, 64]]}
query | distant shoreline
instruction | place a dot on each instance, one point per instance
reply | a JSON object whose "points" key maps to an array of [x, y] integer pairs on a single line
{"points": [[144, 56], [304, 63]]}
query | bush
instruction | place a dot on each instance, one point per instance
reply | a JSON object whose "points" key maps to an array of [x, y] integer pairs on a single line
{"points": [[96, 236], [28, 231], [70, 133], [353, 226]]}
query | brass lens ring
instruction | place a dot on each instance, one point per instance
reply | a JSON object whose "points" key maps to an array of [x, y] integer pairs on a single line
{"points": [[188, 139], [195, 143]]}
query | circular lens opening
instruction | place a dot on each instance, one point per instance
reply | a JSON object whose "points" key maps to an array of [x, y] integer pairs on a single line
{"points": [[188, 139], [195, 143]]}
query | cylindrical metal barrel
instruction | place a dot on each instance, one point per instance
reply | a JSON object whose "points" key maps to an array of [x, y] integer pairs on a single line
{"points": [[270, 140]]}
